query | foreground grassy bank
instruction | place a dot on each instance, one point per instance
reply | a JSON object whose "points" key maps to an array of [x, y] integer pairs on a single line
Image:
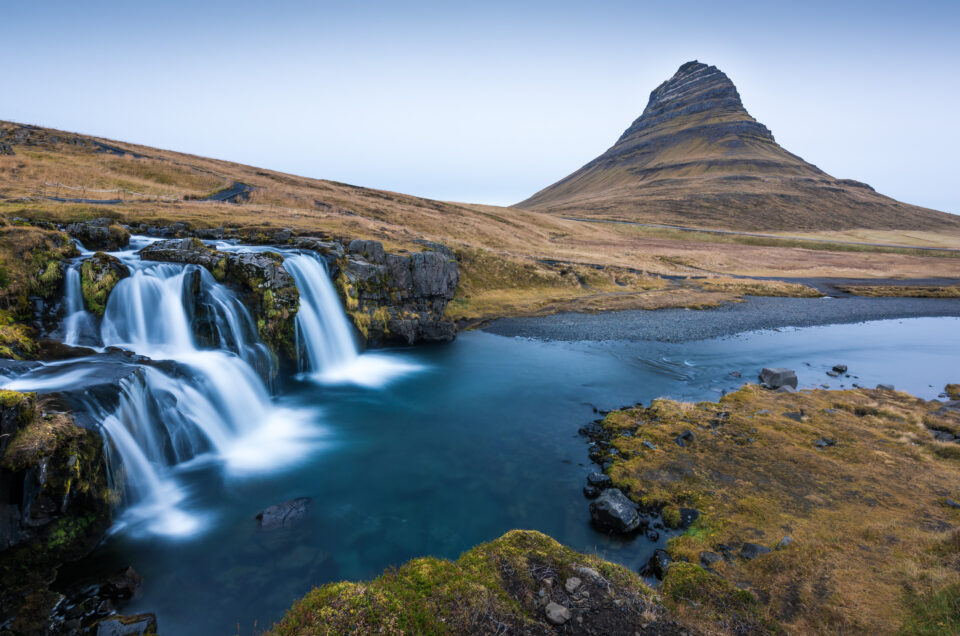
{"points": [[821, 512]]}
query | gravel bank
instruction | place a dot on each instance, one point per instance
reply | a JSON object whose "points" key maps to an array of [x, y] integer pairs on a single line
{"points": [[678, 325]]}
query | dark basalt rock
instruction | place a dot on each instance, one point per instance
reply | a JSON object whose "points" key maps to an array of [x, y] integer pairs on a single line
{"points": [[614, 512], [599, 480], [774, 378], [99, 234], [658, 564], [397, 298], [285, 514]]}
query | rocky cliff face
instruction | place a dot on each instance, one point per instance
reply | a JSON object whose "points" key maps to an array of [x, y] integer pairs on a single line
{"points": [[398, 298], [264, 285], [54, 503], [696, 157]]}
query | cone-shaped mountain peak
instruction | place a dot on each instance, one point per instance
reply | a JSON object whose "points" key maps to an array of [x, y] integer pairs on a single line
{"points": [[696, 157]]}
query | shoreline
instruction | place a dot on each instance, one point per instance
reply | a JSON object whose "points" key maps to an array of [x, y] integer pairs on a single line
{"points": [[754, 314]]}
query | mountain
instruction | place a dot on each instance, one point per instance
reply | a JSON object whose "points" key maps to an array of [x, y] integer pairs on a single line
{"points": [[696, 157]]}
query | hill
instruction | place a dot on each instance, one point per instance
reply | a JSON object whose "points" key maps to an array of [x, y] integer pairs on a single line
{"points": [[696, 157]]}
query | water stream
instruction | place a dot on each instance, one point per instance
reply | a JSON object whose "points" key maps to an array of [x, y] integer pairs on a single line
{"points": [[403, 452]]}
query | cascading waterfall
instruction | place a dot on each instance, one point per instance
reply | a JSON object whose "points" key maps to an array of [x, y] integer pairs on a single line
{"points": [[79, 325], [324, 333]]}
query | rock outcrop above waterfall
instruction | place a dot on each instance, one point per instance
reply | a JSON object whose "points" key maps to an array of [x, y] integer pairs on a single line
{"points": [[99, 274], [265, 287], [398, 298], [696, 157], [54, 505], [99, 234]]}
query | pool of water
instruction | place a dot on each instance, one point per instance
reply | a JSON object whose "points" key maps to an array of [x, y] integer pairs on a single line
{"points": [[480, 437]]}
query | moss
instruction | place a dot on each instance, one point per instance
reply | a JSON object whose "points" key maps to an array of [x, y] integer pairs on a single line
{"points": [[49, 280], [219, 270], [99, 274], [493, 582], [851, 509], [16, 339]]}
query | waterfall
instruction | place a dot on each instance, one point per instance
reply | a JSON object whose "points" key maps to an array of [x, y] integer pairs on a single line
{"points": [[78, 327], [325, 336], [323, 331], [213, 402]]}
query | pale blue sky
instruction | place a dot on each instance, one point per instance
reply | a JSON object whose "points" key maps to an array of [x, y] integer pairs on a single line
{"points": [[488, 102]]}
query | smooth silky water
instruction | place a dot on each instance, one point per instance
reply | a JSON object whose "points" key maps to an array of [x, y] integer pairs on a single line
{"points": [[424, 451]]}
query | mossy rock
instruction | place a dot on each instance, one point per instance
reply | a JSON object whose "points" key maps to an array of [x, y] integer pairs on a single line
{"points": [[99, 274]]}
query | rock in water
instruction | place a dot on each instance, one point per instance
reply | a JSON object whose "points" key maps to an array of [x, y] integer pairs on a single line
{"points": [[774, 378], [614, 512], [99, 274], [100, 234], [285, 514]]}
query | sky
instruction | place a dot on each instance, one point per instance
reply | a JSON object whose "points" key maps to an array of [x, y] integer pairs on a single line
{"points": [[488, 101]]}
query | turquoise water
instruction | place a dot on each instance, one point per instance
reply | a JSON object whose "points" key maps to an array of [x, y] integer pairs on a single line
{"points": [[480, 438]]}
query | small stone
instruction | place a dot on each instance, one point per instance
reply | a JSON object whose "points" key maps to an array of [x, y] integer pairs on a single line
{"points": [[784, 542], [951, 503], [833, 374], [599, 480], [885, 387], [763, 412], [648, 445], [590, 492], [556, 613], [824, 442], [684, 438], [793, 415], [572, 584], [751, 551], [708, 559], [735, 374], [839, 368]]}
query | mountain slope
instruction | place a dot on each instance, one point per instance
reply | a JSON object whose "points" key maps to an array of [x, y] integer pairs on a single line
{"points": [[696, 157]]}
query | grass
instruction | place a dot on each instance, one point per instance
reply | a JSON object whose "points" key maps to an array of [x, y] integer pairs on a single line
{"points": [[492, 588], [910, 291], [759, 287], [866, 517]]}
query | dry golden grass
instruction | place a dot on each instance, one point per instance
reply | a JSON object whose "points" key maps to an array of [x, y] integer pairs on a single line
{"points": [[909, 291], [326, 208], [872, 549], [759, 287]]}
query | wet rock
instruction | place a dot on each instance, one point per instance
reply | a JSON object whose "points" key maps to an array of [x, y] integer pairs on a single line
{"points": [[839, 369], [591, 492], [833, 374], [653, 535], [285, 514], [614, 512], [599, 480], [751, 551], [123, 585], [885, 387], [684, 438], [99, 274], [99, 234], [658, 564], [951, 503], [774, 378], [556, 613]]}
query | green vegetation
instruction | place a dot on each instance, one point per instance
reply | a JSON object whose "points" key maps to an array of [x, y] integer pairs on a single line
{"points": [[873, 548], [494, 586], [99, 274]]}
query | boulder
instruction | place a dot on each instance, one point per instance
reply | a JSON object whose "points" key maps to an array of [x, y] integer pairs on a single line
{"points": [[99, 234], [614, 512], [284, 515], [99, 274], [784, 542], [774, 378], [709, 559], [684, 438], [599, 480], [572, 584], [839, 369], [885, 387]]}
